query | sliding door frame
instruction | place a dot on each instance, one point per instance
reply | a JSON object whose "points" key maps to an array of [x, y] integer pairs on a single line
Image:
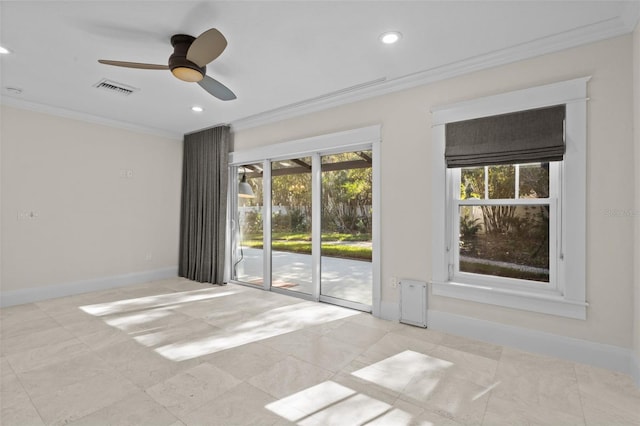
{"points": [[266, 224], [366, 138]]}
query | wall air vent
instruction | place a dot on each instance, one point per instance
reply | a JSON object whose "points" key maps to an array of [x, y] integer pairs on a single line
{"points": [[114, 87]]}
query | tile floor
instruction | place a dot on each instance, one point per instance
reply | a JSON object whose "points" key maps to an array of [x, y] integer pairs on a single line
{"points": [[176, 352]]}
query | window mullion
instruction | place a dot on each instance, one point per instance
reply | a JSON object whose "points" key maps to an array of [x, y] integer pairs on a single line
{"points": [[486, 182], [453, 182], [316, 224], [504, 202], [517, 182], [266, 223]]}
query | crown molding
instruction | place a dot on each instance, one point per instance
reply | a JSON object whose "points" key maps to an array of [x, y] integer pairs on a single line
{"points": [[88, 118], [591, 33], [631, 15], [623, 24]]}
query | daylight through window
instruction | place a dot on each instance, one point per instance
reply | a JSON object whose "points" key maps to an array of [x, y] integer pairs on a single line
{"points": [[503, 214]]}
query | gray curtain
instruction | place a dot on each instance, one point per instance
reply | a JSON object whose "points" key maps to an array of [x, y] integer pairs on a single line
{"points": [[203, 218], [535, 135]]}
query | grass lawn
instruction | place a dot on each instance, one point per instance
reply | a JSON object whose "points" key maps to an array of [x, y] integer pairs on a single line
{"points": [[328, 236], [301, 243], [479, 268]]}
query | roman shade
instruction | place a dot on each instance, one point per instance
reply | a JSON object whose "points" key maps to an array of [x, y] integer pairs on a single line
{"points": [[535, 135], [203, 219]]}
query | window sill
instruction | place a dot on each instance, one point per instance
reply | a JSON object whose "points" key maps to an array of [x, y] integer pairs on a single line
{"points": [[527, 301]]}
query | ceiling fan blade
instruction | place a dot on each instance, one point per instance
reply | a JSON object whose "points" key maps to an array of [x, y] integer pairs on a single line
{"points": [[217, 89], [208, 46], [133, 65]]}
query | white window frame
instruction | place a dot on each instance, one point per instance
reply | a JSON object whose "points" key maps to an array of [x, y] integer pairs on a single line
{"points": [[566, 296], [453, 185], [364, 138]]}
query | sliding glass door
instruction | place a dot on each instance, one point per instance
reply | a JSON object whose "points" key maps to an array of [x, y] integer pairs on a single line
{"points": [[291, 219], [308, 226], [248, 266], [347, 196]]}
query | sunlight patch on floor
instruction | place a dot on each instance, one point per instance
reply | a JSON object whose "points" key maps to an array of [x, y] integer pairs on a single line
{"points": [[309, 401], [263, 326], [134, 321], [148, 302], [158, 321], [397, 372], [443, 386], [487, 390], [330, 403]]}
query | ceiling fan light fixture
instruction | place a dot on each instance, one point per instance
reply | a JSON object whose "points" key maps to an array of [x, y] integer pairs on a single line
{"points": [[188, 74], [189, 61], [182, 68]]}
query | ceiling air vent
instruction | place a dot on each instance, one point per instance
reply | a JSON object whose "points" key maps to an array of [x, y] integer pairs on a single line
{"points": [[114, 87]]}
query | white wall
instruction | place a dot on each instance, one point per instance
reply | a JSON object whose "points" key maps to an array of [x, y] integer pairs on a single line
{"points": [[636, 216], [92, 223], [406, 132]]}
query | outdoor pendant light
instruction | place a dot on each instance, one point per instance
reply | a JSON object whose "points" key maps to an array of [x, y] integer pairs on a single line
{"points": [[244, 189]]}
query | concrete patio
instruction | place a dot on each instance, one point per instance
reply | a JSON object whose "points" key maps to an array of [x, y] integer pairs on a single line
{"points": [[341, 278]]}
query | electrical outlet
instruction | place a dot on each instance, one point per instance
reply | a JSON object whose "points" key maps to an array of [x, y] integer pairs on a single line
{"points": [[125, 173], [394, 282], [28, 215]]}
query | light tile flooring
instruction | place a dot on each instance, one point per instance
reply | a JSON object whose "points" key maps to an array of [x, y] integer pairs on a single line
{"points": [[176, 352]]}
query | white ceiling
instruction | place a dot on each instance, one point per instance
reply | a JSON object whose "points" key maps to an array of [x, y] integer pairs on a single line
{"points": [[282, 57]]}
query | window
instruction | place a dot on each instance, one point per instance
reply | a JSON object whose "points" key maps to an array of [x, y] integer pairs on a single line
{"points": [[510, 227], [504, 224]]}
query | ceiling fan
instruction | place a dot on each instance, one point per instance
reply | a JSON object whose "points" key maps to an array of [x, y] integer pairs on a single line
{"points": [[189, 61]]}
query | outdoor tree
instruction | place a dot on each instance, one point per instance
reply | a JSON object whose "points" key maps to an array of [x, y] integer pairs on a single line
{"points": [[508, 232], [501, 185], [346, 198]]}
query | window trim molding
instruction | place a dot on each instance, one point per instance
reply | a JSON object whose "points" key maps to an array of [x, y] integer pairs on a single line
{"points": [[348, 139], [571, 300]]}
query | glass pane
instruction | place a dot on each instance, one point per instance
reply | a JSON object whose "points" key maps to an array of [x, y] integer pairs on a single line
{"points": [[505, 241], [362, 156], [291, 224], [248, 264], [502, 182], [472, 183], [346, 271], [534, 180]]}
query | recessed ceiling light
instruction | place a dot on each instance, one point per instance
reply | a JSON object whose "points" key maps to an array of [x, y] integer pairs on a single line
{"points": [[4, 51], [390, 37], [197, 109]]}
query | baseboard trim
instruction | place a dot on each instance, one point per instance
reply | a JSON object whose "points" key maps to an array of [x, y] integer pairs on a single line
{"points": [[583, 351], [36, 294], [389, 311], [635, 370]]}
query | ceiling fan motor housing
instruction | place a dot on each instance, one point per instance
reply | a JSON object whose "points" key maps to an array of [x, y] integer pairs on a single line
{"points": [[179, 65]]}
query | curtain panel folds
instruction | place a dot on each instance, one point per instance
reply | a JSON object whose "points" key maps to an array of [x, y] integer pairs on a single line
{"points": [[203, 213]]}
